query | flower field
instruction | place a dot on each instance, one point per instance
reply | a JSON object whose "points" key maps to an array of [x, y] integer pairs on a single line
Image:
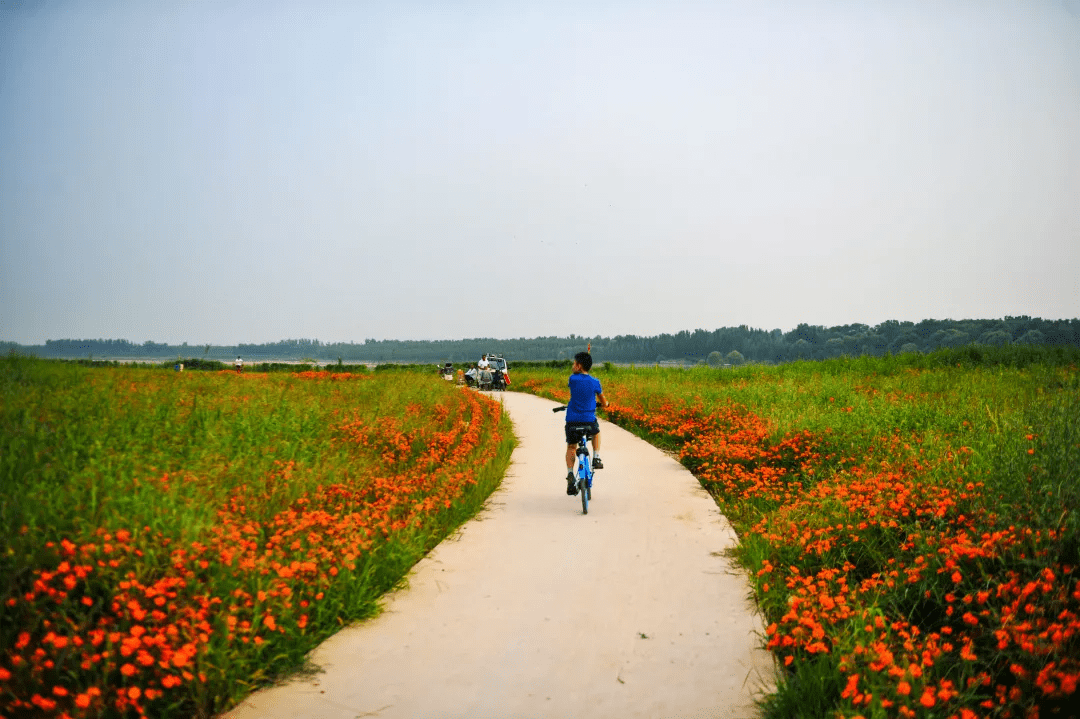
{"points": [[172, 541], [910, 526]]}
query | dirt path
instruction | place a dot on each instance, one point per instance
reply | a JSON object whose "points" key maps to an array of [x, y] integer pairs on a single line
{"points": [[535, 610]]}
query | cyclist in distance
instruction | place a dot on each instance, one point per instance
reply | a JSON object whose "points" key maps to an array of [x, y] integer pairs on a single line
{"points": [[585, 393]]}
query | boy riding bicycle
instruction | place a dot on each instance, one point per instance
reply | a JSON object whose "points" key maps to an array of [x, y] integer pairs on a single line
{"points": [[585, 392]]}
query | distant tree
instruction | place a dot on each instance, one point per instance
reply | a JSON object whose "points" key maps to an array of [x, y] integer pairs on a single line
{"points": [[875, 344], [926, 330], [995, 338], [1062, 332], [806, 342], [904, 339], [715, 359], [1032, 337], [956, 338], [735, 357], [810, 333], [891, 329], [908, 347], [948, 338]]}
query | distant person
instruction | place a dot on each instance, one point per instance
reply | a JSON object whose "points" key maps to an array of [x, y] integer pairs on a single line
{"points": [[239, 365], [585, 394], [483, 363]]}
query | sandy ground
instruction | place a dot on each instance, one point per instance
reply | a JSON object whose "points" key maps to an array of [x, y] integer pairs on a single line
{"points": [[536, 610]]}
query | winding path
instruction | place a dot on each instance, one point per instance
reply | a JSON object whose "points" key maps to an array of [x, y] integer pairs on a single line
{"points": [[535, 610]]}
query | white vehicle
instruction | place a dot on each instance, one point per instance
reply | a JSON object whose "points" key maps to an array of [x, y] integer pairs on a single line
{"points": [[494, 377]]}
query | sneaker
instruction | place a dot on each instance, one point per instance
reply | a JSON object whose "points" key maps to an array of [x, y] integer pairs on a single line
{"points": [[596, 463], [571, 484]]}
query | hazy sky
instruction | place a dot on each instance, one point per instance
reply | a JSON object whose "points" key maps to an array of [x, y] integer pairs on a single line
{"points": [[219, 171]]}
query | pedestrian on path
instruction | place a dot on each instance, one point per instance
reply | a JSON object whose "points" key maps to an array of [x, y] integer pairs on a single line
{"points": [[585, 393]]}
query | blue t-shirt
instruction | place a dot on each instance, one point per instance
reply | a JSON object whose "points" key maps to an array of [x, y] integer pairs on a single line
{"points": [[583, 391]]}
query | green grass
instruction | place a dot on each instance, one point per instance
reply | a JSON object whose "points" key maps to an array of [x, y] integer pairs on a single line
{"points": [[155, 481], [959, 470]]}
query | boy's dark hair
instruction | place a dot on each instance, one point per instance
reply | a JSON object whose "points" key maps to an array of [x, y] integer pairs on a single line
{"points": [[584, 359]]}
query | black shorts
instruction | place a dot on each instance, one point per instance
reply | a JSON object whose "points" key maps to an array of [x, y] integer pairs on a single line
{"points": [[574, 429]]}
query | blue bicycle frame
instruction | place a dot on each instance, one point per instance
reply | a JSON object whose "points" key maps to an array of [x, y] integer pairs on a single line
{"points": [[583, 471]]}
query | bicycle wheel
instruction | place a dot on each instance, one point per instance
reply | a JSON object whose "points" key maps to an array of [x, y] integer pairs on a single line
{"points": [[583, 488]]}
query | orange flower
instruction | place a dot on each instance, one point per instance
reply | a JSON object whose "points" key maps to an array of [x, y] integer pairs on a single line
{"points": [[42, 702]]}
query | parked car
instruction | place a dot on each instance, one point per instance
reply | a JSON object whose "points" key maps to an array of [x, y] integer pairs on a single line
{"points": [[494, 377]]}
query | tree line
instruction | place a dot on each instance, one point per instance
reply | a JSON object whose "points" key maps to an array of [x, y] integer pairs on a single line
{"points": [[726, 345]]}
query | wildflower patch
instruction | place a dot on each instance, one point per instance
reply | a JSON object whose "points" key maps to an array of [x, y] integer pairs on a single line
{"points": [[911, 535], [279, 508]]}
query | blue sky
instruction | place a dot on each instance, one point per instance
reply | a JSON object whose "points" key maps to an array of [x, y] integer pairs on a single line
{"points": [[216, 171]]}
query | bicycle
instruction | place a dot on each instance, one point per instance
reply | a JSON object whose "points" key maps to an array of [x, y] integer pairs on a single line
{"points": [[583, 471]]}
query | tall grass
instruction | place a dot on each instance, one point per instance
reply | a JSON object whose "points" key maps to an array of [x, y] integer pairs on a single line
{"points": [[909, 523], [172, 540]]}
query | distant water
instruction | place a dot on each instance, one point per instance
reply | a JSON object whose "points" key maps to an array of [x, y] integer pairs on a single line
{"points": [[226, 361]]}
